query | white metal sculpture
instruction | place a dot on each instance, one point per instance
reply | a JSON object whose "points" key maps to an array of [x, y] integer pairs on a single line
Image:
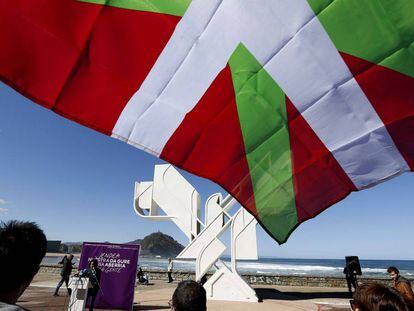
{"points": [[171, 197]]}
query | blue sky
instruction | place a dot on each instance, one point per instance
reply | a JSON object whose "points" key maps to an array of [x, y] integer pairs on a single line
{"points": [[78, 185]]}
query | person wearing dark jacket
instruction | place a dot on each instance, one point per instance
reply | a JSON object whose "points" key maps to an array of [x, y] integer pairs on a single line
{"points": [[350, 280], [65, 273], [94, 275], [142, 278]]}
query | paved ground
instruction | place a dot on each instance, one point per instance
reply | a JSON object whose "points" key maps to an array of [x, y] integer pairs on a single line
{"points": [[156, 296]]}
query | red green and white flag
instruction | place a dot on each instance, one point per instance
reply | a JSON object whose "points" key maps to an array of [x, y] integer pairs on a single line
{"points": [[289, 105]]}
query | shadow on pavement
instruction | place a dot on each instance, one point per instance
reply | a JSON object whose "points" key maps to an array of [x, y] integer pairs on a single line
{"points": [[143, 285], [140, 307], [274, 294]]}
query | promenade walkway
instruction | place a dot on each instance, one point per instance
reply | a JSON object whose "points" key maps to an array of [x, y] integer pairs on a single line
{"points": [[156, 296]]}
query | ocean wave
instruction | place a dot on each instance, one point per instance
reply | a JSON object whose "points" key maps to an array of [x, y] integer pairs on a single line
{"points": [[263, 272], [184, 261], [286, 267], [373, 270], [282, 267]]}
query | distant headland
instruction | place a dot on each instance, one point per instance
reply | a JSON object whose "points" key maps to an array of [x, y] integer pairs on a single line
{"points": [[156, 244], [159, 244]]}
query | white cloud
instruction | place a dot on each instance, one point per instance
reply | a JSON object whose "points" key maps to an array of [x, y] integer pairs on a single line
{"points": [[3, 210]]}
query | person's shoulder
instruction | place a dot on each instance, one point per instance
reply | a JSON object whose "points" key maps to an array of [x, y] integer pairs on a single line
{"points": [[402, 279], [7, 307]]}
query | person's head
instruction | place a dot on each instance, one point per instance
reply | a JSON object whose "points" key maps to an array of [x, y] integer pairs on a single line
{"points": [[189, 296], [377, 297], [393, 273], [93, 264], [169, 259], [69, 256], [22, 248]]}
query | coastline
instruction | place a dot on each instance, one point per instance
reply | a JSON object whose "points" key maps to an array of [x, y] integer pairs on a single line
{"points": [[276, 266], [250, 278]]}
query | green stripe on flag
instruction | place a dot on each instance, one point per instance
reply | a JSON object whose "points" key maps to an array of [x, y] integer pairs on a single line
{"points": [[171, 7], [380, 31], [261, 108]]}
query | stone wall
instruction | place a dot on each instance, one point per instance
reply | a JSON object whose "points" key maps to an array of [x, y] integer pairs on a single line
{"points": [[253, 279], [268, 279], [308, 281], [54, 269]]}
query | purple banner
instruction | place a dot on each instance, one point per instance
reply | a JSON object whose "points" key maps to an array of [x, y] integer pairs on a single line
{"points": [[118, 263]]}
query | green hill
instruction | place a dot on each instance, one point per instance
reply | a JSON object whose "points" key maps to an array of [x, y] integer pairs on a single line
{"points": [[155, 244], [159, 244]]}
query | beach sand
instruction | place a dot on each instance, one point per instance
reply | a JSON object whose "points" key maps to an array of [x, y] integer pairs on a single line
{"points": [[156, 296]]}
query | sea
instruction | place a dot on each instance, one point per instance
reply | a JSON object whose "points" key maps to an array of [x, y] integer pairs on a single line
{"points": [[285, 266]]}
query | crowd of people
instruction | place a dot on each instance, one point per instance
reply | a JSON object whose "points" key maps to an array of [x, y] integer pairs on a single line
{"points": [[23, 246]]}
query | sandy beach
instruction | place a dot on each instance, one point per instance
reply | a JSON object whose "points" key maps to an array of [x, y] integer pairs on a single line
{"points": [[156, 296]]}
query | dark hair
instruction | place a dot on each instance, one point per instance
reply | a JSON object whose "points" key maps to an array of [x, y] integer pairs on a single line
{"points": [[95, 261], [379, 297], [393, 269], [189, 296], [22, 248]]}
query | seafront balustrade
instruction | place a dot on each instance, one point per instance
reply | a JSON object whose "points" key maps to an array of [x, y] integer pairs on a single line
{"points": [[250, 278]]}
